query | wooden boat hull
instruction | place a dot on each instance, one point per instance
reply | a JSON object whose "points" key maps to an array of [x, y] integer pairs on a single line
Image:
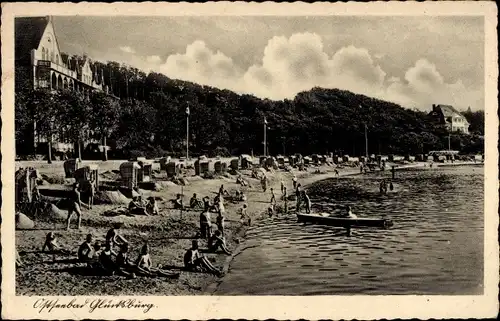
{"points": [[344, 222]]}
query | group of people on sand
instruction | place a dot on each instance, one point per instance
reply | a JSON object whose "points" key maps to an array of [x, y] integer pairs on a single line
{"points": [[139, 207], [114, 257]]}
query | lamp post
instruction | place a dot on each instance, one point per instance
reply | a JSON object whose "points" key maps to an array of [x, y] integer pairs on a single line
{"points": [[187, 134], [265, 129], [366, 141]]}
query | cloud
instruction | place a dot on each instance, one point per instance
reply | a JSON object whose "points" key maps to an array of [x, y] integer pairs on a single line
{"points": [[153, 59], [423, 85], [127, 49], [299, 62], [202, 65]]}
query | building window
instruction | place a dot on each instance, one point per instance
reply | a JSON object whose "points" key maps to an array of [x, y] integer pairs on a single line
{"points": [[57, 59], [52, 56]]}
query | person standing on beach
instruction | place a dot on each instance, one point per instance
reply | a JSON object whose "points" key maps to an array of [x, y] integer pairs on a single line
{"points": [[285, 199], [264, 183], [245, 218], [283, 188], [205, 224], [307, 200], [220, 217], [298, 195], [273, 197], [294, 180], [74, 206]]}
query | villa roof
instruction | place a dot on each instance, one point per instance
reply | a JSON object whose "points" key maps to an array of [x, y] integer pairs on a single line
{"points": [[450, 111]]}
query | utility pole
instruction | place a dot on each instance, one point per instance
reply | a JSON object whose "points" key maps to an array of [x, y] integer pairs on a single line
{"points": [[265, 143], [187, 134], [366, 141]]}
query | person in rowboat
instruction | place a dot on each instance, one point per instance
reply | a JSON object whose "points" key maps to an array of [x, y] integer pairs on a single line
{"points": [[348, 213]]}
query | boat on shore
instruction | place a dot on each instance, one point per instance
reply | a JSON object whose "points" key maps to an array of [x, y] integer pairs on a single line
{"points": [[325, 219]]}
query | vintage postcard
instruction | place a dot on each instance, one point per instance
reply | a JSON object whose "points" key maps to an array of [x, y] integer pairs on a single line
{"points": [[244, 160]]}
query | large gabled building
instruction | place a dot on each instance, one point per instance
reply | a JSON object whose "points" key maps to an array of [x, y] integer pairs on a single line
{"points": [[39, 63], [450, 118], [37, 52]]}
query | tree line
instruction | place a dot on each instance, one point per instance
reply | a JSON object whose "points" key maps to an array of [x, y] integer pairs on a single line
{"points": [[146, 115]]}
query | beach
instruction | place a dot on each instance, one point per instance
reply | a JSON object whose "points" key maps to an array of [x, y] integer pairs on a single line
{"points": [[169, 234]]}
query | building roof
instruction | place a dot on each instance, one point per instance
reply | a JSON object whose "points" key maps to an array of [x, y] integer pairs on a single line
{"points": [[449, 111], [28, 33]]}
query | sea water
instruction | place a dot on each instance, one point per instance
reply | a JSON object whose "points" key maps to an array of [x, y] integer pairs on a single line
{"points": [[434, 247]]}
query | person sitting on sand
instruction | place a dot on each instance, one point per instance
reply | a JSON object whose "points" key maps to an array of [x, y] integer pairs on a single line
{"points": [[113, 238], [245, 218], [106, 263], [206, 203], [222, 191], [240, 196], [75, 204], [241, 181], [52, 246], [217, 241], [205, 224], [336, 171], [178, 202], [136, 206], [86, 250], [194, 202], [145, 265], [194, 261], [152, 206], [307, 201]]}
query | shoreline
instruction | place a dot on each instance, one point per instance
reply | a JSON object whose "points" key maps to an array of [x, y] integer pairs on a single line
{"points": [[306, 180]]}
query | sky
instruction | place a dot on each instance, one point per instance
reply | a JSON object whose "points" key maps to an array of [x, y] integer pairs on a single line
{"points": [[414, 61]]}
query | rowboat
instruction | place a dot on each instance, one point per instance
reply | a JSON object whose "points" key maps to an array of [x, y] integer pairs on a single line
{"points": [[324, 219]]}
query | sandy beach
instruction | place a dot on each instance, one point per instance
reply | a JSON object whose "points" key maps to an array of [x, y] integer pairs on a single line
{"points": [[169, 235]]}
